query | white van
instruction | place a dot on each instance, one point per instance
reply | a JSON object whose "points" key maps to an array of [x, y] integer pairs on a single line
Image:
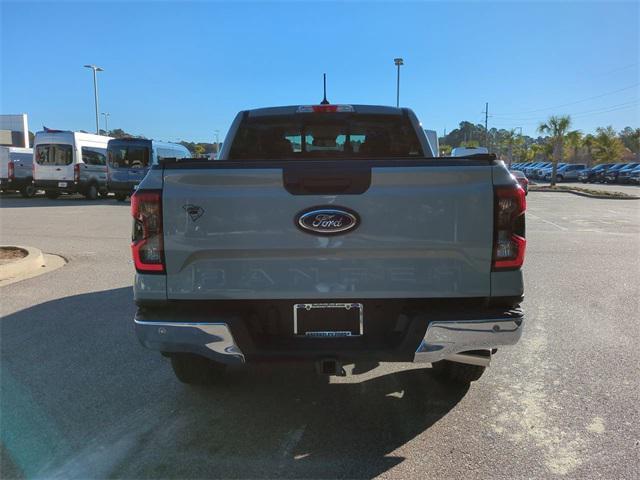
{"points": [[70, 162], [466, 151], [15, 170]]}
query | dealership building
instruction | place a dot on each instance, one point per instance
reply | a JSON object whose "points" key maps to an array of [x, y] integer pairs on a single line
{"points": [[14, 130]]}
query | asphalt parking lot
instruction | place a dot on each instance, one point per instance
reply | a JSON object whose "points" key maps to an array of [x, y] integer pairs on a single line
{"points": [[81, 399]]}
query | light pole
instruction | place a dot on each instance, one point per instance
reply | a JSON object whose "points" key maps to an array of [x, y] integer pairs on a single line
{"points": [[106, 123], [398, 62], [95, 91]]}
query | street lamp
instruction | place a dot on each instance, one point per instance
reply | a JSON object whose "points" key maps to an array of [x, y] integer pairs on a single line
{"points": [[398, 62], [95, 91], [106, 122]]}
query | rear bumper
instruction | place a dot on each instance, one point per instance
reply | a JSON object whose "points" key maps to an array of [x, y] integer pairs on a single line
{"points": [[120, 187], [14, 183], [54, 185], [228, 341]]}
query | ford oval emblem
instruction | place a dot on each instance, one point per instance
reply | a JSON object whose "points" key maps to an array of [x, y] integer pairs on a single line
{"points": [[327, 220]]}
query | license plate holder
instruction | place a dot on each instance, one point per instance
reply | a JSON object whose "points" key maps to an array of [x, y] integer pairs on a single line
{"points": [[328, 320]]}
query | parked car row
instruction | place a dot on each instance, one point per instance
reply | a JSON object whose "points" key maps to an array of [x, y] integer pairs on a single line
{"points": [[612, 173], [603, 173], [65, 162], [543, 170]]}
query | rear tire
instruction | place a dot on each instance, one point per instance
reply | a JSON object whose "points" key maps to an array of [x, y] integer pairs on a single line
{"points": [[196, 370], [121, 197], [455, 372], [51, 194], [28, 191], [92, 192]]}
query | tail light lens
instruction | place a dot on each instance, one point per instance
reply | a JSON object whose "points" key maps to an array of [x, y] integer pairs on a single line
{"points": [[146, 242], [76, 173], [509, 241], [12, 171]]}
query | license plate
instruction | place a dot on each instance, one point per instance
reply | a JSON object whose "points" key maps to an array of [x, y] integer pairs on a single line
{"points": [[62, 184], [328, 320]]}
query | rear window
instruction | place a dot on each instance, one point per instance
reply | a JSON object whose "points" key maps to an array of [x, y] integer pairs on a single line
{"points": [[325, 135], [128, 156], [54, 154], [94, 156]]}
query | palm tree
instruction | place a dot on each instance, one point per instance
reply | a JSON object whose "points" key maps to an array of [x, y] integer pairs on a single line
{"points": [[509, 140], [556, 127], [534, 151], [588, 142], [574, 141], [608, 147]]}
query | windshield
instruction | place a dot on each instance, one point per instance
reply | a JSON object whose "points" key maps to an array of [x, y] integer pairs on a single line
{"points": [[127, 155], [54, 154], [325, 136]]}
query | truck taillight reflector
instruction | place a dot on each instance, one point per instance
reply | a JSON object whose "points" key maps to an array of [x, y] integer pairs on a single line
{"points": [[12, 171], [509, 241], [146, 240], [76, 173]]}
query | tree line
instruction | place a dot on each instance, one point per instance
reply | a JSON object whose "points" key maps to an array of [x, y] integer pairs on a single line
{"points": [[556, 140]]}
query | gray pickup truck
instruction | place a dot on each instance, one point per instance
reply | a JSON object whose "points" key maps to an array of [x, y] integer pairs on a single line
{"points": [[328, 234]]}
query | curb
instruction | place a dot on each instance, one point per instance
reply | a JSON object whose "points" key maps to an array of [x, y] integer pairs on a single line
{"points": [[583, 194], [29, 264]]}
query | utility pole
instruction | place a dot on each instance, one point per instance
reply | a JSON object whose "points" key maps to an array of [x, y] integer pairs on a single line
{"points": [[486, 124], [106, 123]]}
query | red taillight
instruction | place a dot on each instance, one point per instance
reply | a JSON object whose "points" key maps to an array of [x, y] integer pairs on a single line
{"points": [[508, 228], [325, 108], [12, 172], [146, 242], [76, 173]]}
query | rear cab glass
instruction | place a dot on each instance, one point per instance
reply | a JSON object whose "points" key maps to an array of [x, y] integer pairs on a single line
{"points": [[325, 136], [54, 154], [125, 154]]}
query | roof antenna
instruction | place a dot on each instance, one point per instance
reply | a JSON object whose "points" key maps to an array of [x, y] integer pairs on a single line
{"points": [[324, 81]]}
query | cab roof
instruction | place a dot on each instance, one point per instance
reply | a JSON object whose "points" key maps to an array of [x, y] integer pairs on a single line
{"points": [[293, 109]]}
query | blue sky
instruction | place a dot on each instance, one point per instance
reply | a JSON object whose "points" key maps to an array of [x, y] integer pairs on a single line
{"points": [[181, 70]]}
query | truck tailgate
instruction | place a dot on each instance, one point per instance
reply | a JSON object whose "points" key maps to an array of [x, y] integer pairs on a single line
{"points": [[425, 232]]}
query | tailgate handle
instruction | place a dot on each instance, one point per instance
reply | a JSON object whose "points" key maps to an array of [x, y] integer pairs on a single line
{"points": [[304, 181]]}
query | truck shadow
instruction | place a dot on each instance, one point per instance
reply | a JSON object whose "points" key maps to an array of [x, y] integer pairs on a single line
{"points": [[81, 399], [14, 200]]}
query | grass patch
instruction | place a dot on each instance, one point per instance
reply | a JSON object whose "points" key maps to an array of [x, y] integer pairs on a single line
{"points": [[585, 191]]}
